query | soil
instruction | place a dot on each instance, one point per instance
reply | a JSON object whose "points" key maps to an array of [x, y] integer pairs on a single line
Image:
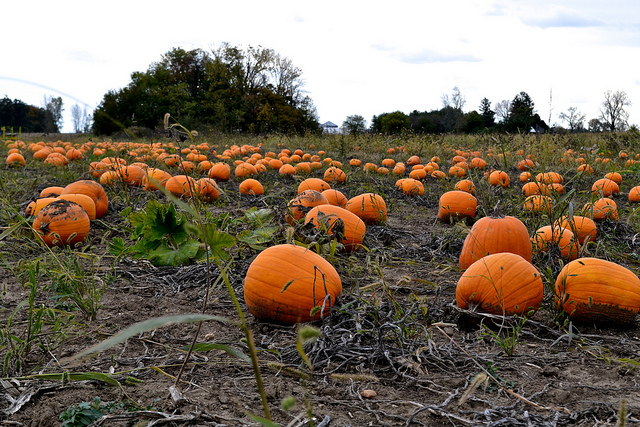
{"points": [[396, 351]]}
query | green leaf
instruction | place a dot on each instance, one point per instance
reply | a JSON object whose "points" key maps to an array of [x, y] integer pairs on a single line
{"points": [[147, 325], [258, 236], [219, 242], [258, 217], [183, 254], [117, 247], [208, 346]]}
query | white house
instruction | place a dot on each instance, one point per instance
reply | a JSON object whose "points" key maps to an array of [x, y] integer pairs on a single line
{"points": [[329, 127]]}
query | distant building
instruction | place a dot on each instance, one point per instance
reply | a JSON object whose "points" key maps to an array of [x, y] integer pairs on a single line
{"points": [[329, 127]]}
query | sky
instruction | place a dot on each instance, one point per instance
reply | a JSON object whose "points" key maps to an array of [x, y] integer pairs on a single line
{"points": [[357, 57]]}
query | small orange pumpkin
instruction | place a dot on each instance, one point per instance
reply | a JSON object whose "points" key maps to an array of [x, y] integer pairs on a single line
{"points": [[353, 228], [370, 207], [251, 186], [61, 223], [456, 204]]}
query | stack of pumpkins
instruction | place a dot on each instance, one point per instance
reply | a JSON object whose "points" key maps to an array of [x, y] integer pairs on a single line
{"points": [[63, 215]]}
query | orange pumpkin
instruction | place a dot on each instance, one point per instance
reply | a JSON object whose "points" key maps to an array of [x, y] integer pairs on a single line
{"points": [[15, 159], [284, 283], [181, 186], [220, 172], [370, 207], [503, 283], [334, 174], [251, 186], [207, 190], [561, 237], [410, 186], [335, 197], [61, 223], [596, 290], [605, 187], [35, 206], [634, 194], [499, 179], [353, 229], [580, 226], [302, 203], [154, 179], [456, 204], [538, 203], [93, 190], [491, 235], [53, 191], [603, 208], [83, 200], [466, 185]]}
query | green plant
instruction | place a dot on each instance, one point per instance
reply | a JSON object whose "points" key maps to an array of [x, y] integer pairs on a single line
{"points": [[85, 413], [507, 336]]}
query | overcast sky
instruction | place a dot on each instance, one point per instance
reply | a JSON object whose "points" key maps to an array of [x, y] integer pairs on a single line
{"points": [[357, 57]]}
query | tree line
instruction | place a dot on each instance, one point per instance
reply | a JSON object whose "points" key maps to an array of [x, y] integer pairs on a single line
{"points": [[29, 118], [517, 115]]}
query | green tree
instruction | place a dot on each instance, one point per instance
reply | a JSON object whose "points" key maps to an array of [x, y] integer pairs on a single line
{"points": [[391, 123], [473, 122], [355, 124], [21, 115], [488, 115], [53, 113], [522, 115]]}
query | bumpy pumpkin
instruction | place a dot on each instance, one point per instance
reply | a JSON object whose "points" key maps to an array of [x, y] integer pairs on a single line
{"points": [[353, 228], [596, 290], [456, 204], [62, 222], [284, 283], [494, 235], [502, 283]]}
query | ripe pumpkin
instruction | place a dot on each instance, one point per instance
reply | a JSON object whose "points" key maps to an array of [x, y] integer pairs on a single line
{"points": [[83, 200], [457, 204], [603, 208], [251, 186], [466, 185], [334, 174], [596, 290], [92, 189], [62, 222], [499, 179], [154, 179], [284, 283], [502, 283], [15, 159], [301, 204], [353, 228], [335, 197], [53, 191], [410, 186], [581, 226], [370, 207], [605, 187], [494, 235], [220, 172], [181, 186], [207, 190], [538, 203], [313, 184], [634, 194], [34, 207], [546, 236]]}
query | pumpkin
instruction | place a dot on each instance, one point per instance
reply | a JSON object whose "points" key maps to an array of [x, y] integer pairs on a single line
{"points": [[131, 174], [316, 184], [547, 236], [634, 194], [413, 160], [62, 222], [220, 172], [491, 235], [605, 187], [550, 178], [53, 191], [503, 283], [603, 208], [410, 186], [499, 179], [154, 179], [15, 159], [245, 169], [251, 186], [284, 283], [370, 207], [34, 207], [207, 190], [615, 177], [335, 197], [83, 200], [538, 203], [596, 290], [466, 185], [334, 174], [93, 190], [478, 163], [457, 204], [531, 188], [287, 170], [181, 186], [302, 203], [353, 229], [525, 164], [580, 226]]}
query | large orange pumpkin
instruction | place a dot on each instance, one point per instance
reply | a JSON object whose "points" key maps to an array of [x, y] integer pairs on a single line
{"points": [[354, 229], [284, 283], [370, 207], [92, 189], [502, 283], [494, 235], [62, 222], [456, 204], [596, 290]]}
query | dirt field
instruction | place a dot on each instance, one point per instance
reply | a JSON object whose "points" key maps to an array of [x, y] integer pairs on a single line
{"points": [[396, 331]]}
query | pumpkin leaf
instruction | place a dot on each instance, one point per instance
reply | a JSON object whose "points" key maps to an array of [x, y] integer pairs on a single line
{"points": [[183, 254], [219, 242], [258, 236], [208, 346]]}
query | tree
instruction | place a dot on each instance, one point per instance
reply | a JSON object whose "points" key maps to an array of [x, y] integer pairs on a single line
{"points": [[522, 116], [473, 122], [612, 113], [456, 101], [53, 110], [574, 119], [76, 118], [390, 123], [488, 115], [354, 125], [503, 109], [595, 125]]}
